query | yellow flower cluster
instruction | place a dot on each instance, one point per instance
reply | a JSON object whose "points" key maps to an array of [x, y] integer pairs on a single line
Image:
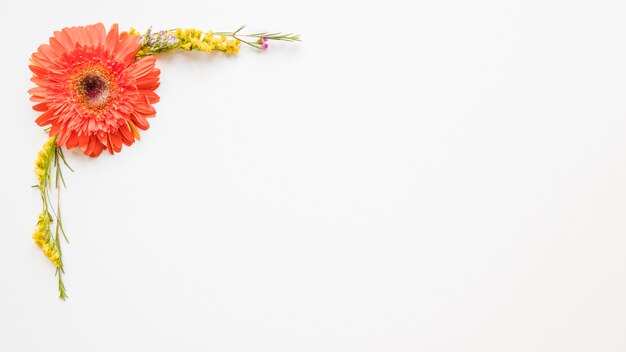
{"points": [[44, 157], [43, 239], [42, 235], [195, 39]]}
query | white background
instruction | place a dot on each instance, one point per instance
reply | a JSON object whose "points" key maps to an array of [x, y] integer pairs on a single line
{"points": [[414, 176]]}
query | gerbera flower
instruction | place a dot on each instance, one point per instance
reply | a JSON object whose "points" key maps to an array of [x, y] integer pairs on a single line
{"points": [[91, 91]]}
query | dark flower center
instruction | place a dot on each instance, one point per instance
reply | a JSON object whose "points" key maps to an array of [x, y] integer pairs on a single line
{"points": [[94, 89]]}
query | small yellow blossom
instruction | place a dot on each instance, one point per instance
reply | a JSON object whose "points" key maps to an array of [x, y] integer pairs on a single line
{"points": [[39, 238], [133, 31], [43, 238], [52, 252], [44, 157], [232, 46]]}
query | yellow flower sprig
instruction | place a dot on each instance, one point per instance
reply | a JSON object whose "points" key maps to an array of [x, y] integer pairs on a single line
{"points": [[194, 39], [187, 39], [48, 159]]}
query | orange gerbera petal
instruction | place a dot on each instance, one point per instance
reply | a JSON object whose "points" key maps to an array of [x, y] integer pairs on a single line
{"points": [[41, 107], [90, 89], [127, 134], [45, 118], [72, 141]]}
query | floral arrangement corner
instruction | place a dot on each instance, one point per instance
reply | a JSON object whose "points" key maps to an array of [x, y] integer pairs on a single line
{"points": [[95, 90]]}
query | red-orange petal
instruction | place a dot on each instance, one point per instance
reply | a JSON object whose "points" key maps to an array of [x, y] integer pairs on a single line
{"points": [[72, 141], [91, 145], [83, 142], [98, 147], [112, 37], [41, 107], [46, 118]]}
